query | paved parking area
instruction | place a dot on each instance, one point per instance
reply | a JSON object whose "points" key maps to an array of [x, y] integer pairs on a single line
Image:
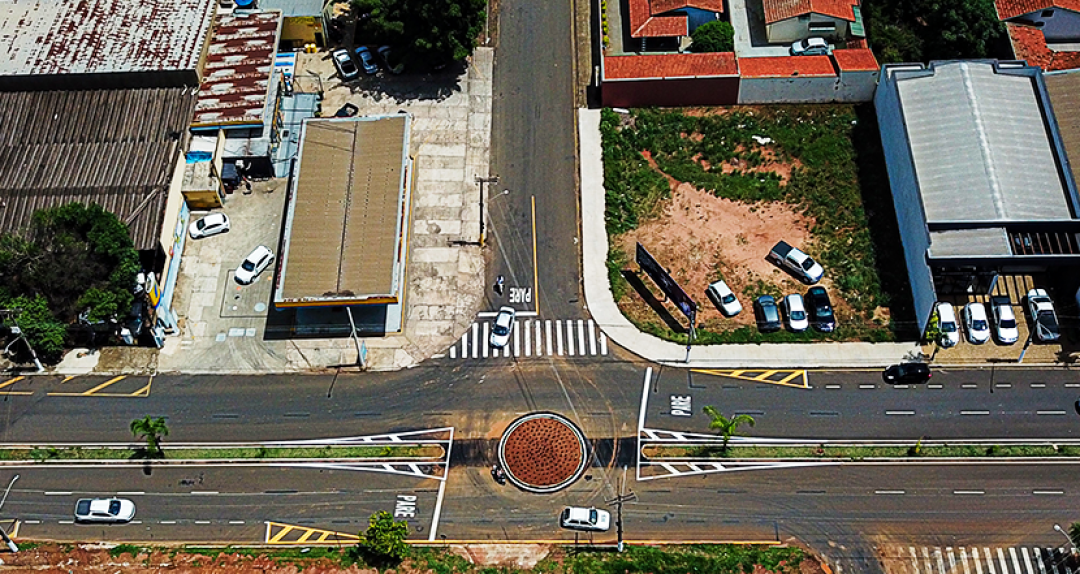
{"points": [[223, 324]]}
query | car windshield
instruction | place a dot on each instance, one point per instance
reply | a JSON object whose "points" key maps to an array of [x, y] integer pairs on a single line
{"points": [[806, 265], [729, 298], [347, 65], [248, 265], [83, 507], [500, 329], [823, 311], [201, 224], [797, 315], [948, 327], [114, 507], [978, 324], [1008, 324], [592, 516]]}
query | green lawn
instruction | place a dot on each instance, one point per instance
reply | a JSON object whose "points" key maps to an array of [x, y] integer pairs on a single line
{"points": [[77, 453]]}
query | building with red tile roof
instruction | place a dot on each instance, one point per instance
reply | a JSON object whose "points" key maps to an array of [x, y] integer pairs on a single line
{"points": [[669, 18], [786, 67], [1029, 44], [791, 20], [653, 66], [1009, 9], [857, 60]]}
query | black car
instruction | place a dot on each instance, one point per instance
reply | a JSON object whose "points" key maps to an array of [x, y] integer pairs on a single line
{"points": [[907, 374], [767, 314], [820, 309]]}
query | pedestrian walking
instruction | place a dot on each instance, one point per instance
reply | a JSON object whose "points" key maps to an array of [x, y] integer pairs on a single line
{"points": [[499, 282]]}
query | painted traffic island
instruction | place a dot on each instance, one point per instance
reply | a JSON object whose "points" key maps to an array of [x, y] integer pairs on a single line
{"points": [[543, 452]]}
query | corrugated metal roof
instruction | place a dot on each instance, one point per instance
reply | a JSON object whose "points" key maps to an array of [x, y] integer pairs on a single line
{"points": [[239, 65], [92, 36], [980, 145], [58, 147], [1064, 89], [291, 8], [343, 229], [988, 242]]}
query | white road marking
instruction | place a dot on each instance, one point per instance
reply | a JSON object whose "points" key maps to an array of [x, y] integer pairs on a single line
{"points": [[972, 492], [539, 349], [603, 343], [202, 522], [547, 331], [204, 492], [982, 413], [538, 340], [569, 338], [1038, 385], [437, 512], [581, 337], [236, 522], [969, 386], [964, 560], [1027, 561], [475, 339], [1050, 413], [889, 492], [517, 340], [867, 386], [130, 493], [978, 562], [1037, 492], [57, 493], [592, 337], [528, 338], [487, 340], [832, 386], [558, 336], [900, 413], [935, 386]]}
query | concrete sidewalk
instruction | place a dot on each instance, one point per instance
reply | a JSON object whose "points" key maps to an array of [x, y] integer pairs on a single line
{"points": [[618, 328]]}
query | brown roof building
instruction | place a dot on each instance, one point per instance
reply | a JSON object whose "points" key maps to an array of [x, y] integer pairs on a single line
{"points": [[238, 74]]}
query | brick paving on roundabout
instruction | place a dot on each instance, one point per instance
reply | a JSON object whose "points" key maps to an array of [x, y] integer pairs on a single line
{"points": [[542, 452]]}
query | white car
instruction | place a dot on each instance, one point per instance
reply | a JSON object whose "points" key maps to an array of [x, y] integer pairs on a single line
{"points": [[580, 518], [504, 325], [722, 297], [950, 331], [811, 47], [253, 264], [795, 313], [1004, 320], [104, 510], [345, 65], [978, 328], [210, 225]]}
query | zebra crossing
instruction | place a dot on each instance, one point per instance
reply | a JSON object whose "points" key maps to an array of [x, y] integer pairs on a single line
{"points": [[979, 560], [534, 338]]}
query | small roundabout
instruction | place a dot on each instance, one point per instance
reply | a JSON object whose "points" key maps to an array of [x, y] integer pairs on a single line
{"points": [[543, 452]]}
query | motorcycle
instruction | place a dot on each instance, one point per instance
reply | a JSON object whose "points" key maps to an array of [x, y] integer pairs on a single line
{"points": [[498, 474]]}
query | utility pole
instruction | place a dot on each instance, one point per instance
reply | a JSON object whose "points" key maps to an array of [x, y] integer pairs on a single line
{"points": [[482, 181], [618, 502], [7, 540], [15, 330]]}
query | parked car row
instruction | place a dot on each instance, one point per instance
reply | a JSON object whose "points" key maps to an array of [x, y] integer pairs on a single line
{"points": [[800, 314], [1000, 324], [348, 70], [255, 263]]}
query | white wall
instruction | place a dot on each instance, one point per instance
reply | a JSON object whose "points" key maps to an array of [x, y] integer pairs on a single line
{"points": [[848, 87], [792, 29]]}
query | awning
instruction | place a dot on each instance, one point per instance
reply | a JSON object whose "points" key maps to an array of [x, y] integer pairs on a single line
{"points": [[857, 28]]}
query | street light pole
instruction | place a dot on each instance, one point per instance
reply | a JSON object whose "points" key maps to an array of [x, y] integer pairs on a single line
{"points": [[1066, 535], [618, 502], [16, 330], [7, 540]]}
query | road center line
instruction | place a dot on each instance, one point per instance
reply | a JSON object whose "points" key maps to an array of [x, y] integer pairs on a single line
{"points": [[1048, 492], [204, 492], [202, 522], [979, 413], [1072, 385], [972, 492], [889, 492], [1038, 385], [900, 413], [168, 522], [969, 386], [55, 493], [1003, 385], [130, 493], [867, 386], [832, 386], [1051, 413], [437, 512], [236, 522], [935, 386]]}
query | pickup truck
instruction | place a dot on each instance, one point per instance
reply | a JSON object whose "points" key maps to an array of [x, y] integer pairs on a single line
{"points": [[796, 262]]}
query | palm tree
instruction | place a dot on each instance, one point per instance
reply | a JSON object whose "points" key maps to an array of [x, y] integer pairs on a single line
{"points": [[724, 426], [152, 429], [1074, 533]]}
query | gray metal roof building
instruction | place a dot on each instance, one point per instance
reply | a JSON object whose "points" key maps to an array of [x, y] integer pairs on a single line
{"points": [[115, 148], [978, 173], [39, 39]]}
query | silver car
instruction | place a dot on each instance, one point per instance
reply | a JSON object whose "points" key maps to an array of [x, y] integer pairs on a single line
{"points": [[504, 325], [104, 510], [975, 323]]}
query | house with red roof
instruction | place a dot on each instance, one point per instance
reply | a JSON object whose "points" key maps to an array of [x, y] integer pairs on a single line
{"points": [[1044, 33], [792, 20], [670, 19]]}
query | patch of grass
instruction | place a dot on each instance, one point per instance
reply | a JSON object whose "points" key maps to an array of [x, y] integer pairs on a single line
{"points": [[838, 174], [701, 559], [617, 260], [441, 561], [863, 452], [121, 549], [426, 451]]}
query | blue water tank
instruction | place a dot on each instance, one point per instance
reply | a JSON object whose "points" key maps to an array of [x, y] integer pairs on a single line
{"points": [[245, 3]]}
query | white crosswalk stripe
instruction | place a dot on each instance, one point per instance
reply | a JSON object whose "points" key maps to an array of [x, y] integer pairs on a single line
{"points": [[534, 338], [979, 560]]}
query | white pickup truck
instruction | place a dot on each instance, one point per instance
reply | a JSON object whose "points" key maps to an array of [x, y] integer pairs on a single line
{"points": [[796, 262]]}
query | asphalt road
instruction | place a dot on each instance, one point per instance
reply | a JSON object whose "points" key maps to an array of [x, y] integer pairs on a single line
{"points": [[534, 149], [976, 403]]}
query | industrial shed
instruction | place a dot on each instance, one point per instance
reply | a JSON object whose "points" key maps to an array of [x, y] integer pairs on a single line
{"points": [[347, 217], [57, 147], [979, 175]]}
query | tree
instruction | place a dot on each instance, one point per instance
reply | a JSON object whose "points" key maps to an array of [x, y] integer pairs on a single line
{"points": [[968, 29], [42, 331], [78, 258], [383, 543], [724, 426], [430, 32], [1074, 533], [152, 429], [715, 36]]}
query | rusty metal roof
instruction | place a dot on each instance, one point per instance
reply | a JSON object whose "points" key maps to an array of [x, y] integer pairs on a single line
{"points": [[237, 74], [57, 147], [40, 37], [347, 215]]}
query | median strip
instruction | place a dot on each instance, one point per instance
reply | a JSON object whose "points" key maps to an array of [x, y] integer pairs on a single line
{"points": [[692, 453], [46, 454]]}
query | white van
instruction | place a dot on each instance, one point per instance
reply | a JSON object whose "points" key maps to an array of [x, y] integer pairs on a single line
{"points": [[950, 330]]}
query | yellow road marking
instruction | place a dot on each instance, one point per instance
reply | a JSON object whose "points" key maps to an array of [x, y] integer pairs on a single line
{"points": [[68, 378], [763, 376], [140, 393], [305, 538], [10, 382], [536, 275]]}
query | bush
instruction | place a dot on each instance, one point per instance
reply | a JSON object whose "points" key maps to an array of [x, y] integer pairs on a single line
{"points": [[716, 36]]}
